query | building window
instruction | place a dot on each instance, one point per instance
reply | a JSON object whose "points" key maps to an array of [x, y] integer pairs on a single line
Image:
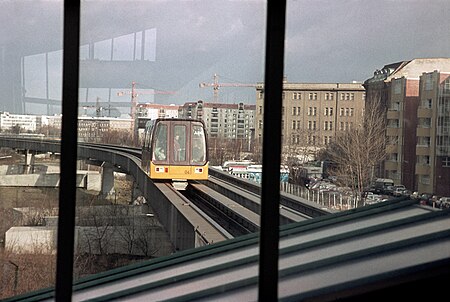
{"points": [[312, 96], [446, 161], [429, 82], [425, 179], [329, 96], [397, 86], [427, 104], [261, 94], [328, 111]]}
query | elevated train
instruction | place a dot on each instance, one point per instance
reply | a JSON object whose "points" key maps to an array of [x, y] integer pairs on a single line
{"points": [[175, 149]]}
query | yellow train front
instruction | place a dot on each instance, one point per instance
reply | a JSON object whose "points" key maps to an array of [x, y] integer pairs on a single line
{"points": [[175, 149]]}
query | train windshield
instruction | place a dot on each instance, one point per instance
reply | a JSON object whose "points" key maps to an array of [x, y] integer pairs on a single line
{"points": [[160, 144], [198, 145]]}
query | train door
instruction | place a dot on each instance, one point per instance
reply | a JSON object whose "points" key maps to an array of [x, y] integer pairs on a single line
{"points": [[180, 140]]}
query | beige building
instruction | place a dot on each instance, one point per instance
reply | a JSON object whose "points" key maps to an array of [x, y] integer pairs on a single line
{"points": [[313, 113], [95, 129]]}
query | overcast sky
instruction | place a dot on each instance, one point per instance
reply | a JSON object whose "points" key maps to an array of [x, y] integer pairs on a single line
{"points": [[326, 41]]}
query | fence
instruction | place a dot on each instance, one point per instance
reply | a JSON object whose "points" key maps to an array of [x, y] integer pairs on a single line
{"points": [[330, 199]]}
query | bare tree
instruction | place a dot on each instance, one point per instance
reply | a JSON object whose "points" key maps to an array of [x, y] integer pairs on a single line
{"points": [[118, 137], [355, 153]]}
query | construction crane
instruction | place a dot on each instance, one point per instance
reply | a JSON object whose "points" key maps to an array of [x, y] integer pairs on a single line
{"points": [[134, 94], [98, 108], [215, 85]]}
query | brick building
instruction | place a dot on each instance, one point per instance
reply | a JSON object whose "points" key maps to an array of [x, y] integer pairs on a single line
{"points": [[416, 98]]}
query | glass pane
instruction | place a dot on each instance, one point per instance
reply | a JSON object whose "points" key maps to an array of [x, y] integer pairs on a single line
{"points": [[160, 147], [145, 60], [198, 145], [30, 109], [352, 103]]}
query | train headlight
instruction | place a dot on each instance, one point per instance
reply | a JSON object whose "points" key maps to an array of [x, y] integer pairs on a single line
{"points": [[161, 169], [198, 170]]}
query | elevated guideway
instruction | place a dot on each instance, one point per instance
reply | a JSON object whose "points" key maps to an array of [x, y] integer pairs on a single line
{"points": [[185, 229]]}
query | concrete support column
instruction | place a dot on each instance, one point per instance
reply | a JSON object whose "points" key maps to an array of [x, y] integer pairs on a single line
{"points": [[107, 180], [81, 164], [28, 167]]}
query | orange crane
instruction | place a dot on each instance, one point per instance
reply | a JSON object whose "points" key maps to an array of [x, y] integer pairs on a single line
{"points": [[215, 85], [135, 94]]}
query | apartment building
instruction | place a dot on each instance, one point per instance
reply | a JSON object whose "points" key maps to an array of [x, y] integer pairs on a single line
{"points": [[313, 113], [223, 121], [433, 134], [415, 95], [95, 129], [154, 111], [25, 122]]}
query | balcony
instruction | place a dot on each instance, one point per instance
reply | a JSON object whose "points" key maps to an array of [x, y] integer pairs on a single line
{"points": [[423, 132], [391, 148], [391, 165], [393, 131], [423, 150], [393, 114], [422, 169], [424, 112]]}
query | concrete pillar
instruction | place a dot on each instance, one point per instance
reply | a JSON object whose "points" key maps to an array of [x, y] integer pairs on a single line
{"points": [[28, 167], [108, 181]]}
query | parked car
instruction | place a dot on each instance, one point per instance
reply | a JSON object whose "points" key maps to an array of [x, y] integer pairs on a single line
{"points": [[443, 202], [425, 198], [414, 195], [406, 193], [399, 190], [389, 190]]}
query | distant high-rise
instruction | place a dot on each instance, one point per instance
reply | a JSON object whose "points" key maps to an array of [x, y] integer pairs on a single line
{"points": [[223, 121]]}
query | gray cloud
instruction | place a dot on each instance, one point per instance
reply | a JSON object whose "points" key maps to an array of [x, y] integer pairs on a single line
{"points": [[327, 41]]}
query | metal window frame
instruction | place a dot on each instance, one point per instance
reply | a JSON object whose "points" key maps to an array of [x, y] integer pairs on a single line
{"points": [[270, 194]]}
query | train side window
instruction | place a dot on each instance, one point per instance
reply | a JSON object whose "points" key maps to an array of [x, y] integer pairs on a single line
{"points": [[198, 144], [160, 147], [179, 142]]}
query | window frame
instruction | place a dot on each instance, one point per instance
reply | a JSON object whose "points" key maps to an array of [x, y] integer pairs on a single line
{"points": [[269, 232]]}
